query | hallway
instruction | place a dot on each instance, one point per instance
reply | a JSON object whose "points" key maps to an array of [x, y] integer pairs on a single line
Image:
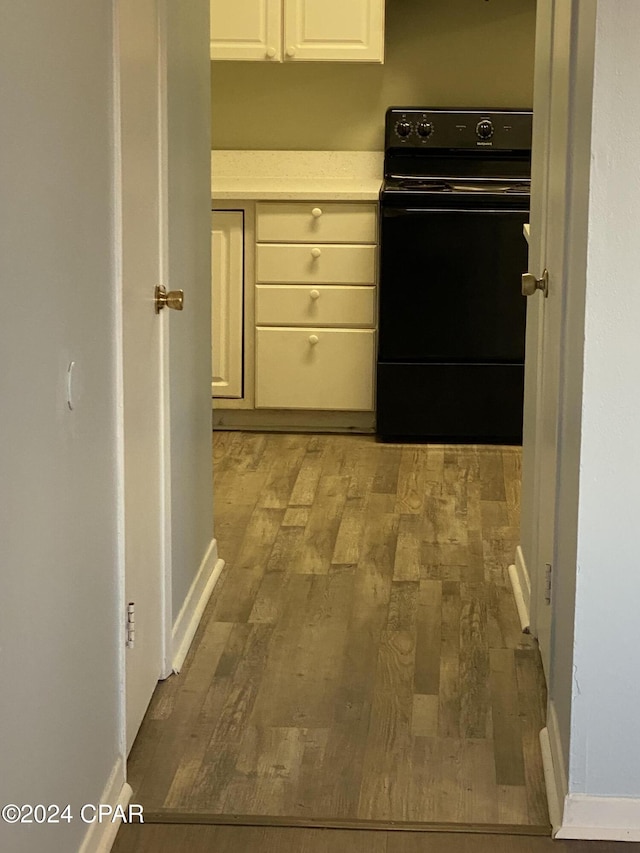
{"points": [[361, 656]]}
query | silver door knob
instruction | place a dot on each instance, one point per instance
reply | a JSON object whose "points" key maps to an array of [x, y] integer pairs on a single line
{"points": [[530, 283]]}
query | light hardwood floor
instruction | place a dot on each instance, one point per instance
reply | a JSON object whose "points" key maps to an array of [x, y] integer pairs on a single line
{"points": [[361, 657]]}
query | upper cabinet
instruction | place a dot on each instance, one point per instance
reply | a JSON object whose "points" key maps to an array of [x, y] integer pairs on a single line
{"points": [[298, 30], [334, 30], [246, 29]]}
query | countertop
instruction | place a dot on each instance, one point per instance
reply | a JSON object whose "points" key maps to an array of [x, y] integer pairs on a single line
{"points": [[296, 175]]}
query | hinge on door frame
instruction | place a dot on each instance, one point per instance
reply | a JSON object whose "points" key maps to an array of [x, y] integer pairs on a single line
{"points": [[131, 624], [547, 583]]}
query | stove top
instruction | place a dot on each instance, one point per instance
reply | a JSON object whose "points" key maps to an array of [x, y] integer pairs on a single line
{"points": [[456, 186], [452, 157]]}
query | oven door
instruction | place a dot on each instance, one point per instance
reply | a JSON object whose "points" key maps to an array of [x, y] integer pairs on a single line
{"points": [[450, 285]]}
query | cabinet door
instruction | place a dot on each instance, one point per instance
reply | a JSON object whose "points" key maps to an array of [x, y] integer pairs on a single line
{"points": [[334, 30], [227, 298], [246, 29]]}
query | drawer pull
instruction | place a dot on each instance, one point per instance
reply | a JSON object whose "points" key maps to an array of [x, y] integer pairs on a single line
{"points": [[313, 340], [271, 52], [316, 212], [314, 294], [316, 252]]}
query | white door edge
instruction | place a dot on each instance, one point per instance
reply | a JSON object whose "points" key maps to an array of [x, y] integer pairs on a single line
{"points": [[165, 438], [149, 536], [119, 370], [166, 599]]}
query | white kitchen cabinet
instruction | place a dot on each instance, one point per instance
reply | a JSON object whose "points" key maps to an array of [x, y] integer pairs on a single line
{"points": [[315, 307], [335, 30], [327, 222], [246, 29], [227, 300], [324, 305], [315, 263], [298, 30], [315, 368]]}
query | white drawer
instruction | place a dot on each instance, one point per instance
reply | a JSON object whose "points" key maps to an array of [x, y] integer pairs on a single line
{"points": [[280, 263], [306, 222], [315, 369], [325, 305]]}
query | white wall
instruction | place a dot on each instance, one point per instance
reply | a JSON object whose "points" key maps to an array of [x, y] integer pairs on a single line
{"points": [[189, 269], [59, 594], [605, 739]]}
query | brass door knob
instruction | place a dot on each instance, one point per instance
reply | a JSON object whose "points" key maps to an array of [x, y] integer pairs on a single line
{"points": [[171, 299], [530, 283]]}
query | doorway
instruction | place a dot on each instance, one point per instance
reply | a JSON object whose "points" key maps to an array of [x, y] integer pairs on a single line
{"points": [[361, 659]]}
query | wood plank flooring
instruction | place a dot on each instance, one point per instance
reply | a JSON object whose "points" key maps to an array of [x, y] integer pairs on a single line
{"points": [[164, 838], [361, 656]]}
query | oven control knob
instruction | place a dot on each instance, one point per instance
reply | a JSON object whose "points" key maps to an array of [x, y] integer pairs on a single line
{"points": [[425, 129], [404, 128], [484, 129]]}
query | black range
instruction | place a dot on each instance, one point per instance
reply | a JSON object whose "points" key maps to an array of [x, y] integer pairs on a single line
{"points": [[452, 316]]}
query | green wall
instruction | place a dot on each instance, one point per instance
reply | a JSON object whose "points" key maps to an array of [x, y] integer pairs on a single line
{"points": [[476, 53]]}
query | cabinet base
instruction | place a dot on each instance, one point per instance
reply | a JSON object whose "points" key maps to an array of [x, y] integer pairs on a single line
{"points": [[279, 420], [450, 403]]}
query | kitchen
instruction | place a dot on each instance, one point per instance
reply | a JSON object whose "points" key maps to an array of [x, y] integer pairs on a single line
{"points": [[328, 119]]}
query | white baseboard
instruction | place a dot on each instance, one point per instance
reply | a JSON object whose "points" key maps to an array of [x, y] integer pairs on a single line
{"points": [[555, 773], [557, 754], [100, 836], [191, 612], [521, 585], [553, 798], [600, 818], [581, 816]]}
